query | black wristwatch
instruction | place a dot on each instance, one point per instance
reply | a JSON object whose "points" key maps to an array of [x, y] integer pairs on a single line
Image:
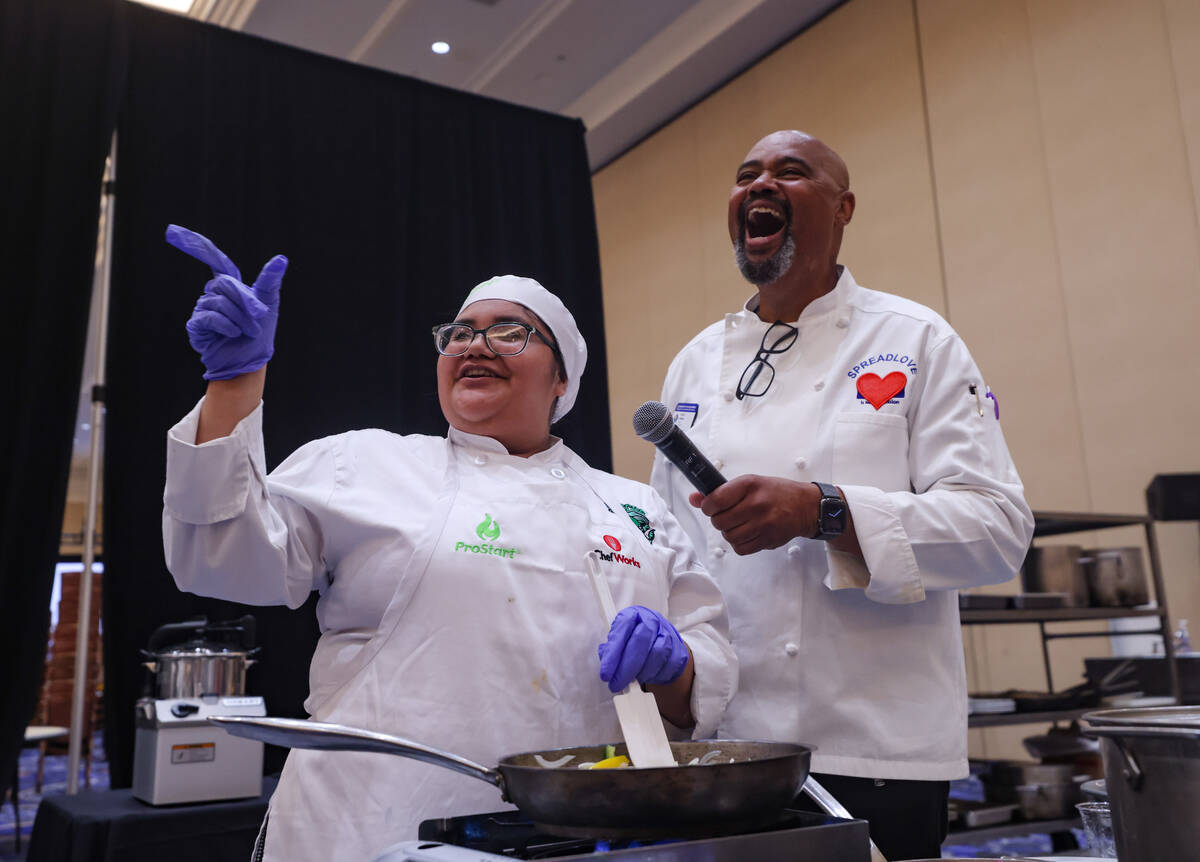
{"points": [[832, 512]]}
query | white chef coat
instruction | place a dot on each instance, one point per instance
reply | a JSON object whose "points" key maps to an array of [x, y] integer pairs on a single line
{"points": [[454, 607], [864, 662]]}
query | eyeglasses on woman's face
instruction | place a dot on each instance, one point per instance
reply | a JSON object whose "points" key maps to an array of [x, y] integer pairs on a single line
{"points": [[760, 373], [504, 339]]}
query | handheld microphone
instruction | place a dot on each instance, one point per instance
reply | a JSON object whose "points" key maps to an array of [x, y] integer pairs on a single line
{"points": [[653, 422]]}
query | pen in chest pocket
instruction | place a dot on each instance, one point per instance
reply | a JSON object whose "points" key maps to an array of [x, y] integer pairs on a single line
{"points": [[974, 390]]}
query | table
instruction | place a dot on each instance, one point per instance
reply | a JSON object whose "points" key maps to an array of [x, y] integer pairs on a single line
{"points": [[112, 826]]}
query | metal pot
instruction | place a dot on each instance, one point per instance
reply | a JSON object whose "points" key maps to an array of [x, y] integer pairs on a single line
{"points": [[1152, 775], [1056, 569], [202, 665], [1050, 801], [1036, 787], [1115, 577], [1015, 772]]}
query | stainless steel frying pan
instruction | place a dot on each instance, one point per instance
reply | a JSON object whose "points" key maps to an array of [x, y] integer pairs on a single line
{"points": [[687, 802]]}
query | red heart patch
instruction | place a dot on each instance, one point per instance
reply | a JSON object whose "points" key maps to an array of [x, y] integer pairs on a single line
{"points": [[879, 390]]}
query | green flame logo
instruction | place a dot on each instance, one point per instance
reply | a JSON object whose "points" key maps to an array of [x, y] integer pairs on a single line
{"points": [[488, 530]]}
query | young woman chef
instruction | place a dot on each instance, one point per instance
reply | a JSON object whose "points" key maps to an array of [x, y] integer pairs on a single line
{"points": [[454, 607]]}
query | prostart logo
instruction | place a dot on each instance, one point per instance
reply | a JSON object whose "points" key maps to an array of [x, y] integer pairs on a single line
{"points": [[488, 531], [616, 556]]}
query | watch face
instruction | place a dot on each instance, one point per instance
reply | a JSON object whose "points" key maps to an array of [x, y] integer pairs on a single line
{"points": [[833, 516]]}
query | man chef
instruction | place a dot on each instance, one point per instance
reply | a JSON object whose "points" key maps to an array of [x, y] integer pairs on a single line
{"points": [[870, 481]]}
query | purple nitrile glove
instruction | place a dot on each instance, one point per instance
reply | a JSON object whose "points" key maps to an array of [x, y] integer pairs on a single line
{"points": [[643, 645], [232, 326]]}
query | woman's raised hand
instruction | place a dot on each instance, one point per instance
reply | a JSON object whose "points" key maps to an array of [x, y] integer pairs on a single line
{"points": [[233, 325]]}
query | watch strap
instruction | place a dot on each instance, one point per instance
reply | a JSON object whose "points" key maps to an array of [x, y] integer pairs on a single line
{"points": [[828, 490]]}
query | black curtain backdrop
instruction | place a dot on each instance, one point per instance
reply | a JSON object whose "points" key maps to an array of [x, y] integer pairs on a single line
{"points": [[59, 66], [391, 198]]}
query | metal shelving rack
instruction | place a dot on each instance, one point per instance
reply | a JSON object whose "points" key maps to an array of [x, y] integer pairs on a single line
{"points": [[1059, 523], [1054, 524], [1005, 830]]}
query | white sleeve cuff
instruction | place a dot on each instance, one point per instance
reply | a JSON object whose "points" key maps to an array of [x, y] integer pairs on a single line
{"points": [[715, 681], [846, 571], [209, 483], [891, 575]]}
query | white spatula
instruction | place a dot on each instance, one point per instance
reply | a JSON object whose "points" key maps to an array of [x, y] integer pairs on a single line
{"points": [[637, 710]]}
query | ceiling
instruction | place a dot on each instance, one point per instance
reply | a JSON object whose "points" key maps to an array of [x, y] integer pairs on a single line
{"points": [[626, 67]]}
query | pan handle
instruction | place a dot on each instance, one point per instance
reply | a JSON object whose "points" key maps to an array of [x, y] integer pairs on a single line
{"points": [[298, 733], [827, 803]]}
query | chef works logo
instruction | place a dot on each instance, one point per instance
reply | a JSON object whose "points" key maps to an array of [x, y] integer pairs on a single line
{"points": [[616, 556], [488, 531]]}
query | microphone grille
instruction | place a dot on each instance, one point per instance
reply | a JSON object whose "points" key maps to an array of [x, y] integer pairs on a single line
{"points": [[652, 421]]}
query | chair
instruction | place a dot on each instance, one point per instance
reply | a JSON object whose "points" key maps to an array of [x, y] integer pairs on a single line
{"points": [[54, 706], [34, 735]]}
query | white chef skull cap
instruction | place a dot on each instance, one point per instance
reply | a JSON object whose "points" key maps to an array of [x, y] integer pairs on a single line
{"points": [[547, 306]]}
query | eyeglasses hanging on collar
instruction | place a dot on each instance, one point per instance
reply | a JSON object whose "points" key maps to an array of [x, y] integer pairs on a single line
{"points": [[760, 373]]}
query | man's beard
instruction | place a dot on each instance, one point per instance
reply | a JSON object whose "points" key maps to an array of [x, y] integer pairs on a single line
{"points": [[769, 270]]}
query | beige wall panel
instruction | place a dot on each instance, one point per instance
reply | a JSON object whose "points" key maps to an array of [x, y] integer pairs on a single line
{"points": [[1183, 30], [854, 81], [648, 219], [727, 125], [998, 235], [1179, 548], [1124, 218]]}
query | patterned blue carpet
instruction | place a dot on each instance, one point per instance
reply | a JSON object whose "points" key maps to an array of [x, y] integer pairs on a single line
{"points": [[54, 780]]}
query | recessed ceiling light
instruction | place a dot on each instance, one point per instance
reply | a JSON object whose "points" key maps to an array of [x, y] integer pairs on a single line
{"points": [[440, 47], [180, 6]]}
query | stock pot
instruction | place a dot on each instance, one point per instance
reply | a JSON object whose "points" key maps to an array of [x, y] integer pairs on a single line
{"points": [[1152, 775], [197, 658]]}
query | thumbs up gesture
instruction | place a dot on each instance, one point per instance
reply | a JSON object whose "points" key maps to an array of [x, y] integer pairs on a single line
{"points": [[232, 326]]}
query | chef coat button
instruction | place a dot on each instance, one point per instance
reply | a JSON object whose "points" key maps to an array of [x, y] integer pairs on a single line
{"points": [[481, 459], [791, 649], [819, 385], [558, 473], [843, 322], [728, 396], [794, 551], [718, 552], [801, 463], [718, 463]]}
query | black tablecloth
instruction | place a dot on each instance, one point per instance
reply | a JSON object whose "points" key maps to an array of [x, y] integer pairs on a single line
{"points": [[112, 826]]}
